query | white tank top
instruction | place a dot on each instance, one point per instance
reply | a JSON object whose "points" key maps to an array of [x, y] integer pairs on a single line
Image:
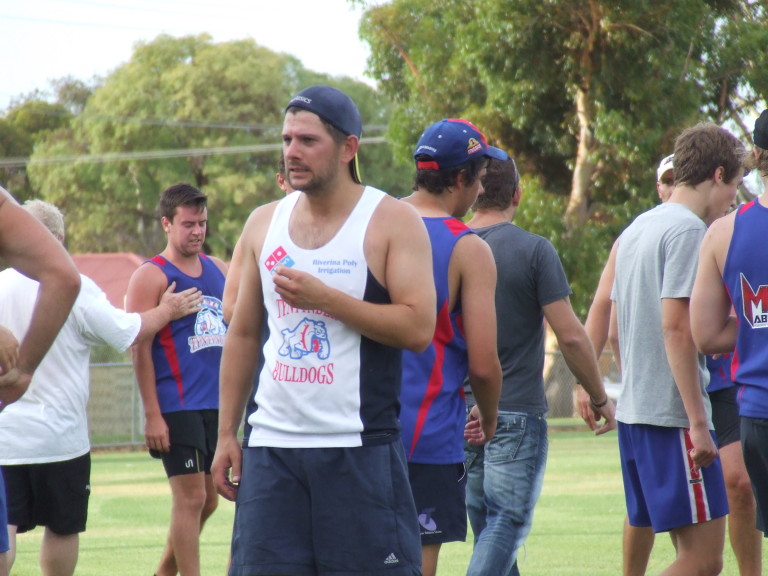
{"points": [[309, 389]]}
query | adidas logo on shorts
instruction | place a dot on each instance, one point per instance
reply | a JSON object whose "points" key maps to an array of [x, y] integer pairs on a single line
{"points": [[391, 559]]}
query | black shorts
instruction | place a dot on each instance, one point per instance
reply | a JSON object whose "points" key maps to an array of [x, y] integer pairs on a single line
{"points": [[754, 446], [725, 416], [54, 494], [439, 491], [193, 435]]}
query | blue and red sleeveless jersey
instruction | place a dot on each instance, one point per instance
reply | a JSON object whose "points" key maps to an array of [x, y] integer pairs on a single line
{"points": [[745, 276], [433, 408], [719, 372], [187, 352]]}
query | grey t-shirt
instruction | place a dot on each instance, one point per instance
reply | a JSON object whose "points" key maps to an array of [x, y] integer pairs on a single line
{"points": [[656, 259], [529, 276]]}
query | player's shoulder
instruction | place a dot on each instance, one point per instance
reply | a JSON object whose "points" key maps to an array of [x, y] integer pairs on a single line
{"points": [[219, 263], [256, 226], [148, 276], [394, 218], [261, 215], [473, 253], [722, 227]]}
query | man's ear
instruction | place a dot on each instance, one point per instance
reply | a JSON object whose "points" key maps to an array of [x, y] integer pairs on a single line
{"points": [[461, 179], [517, 196], [351, 145]]}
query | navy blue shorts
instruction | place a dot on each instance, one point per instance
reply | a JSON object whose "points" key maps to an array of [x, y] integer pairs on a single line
{"points": [[439, 491], [660, 487], [52, 494], [325, 511]]}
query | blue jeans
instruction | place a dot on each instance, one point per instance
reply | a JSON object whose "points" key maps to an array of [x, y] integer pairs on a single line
{"points": [[504, 480]]}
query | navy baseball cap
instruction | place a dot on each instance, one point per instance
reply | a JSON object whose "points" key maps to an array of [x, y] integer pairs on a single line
{"points": [[760, 134], [336, 108], [452, 142]]}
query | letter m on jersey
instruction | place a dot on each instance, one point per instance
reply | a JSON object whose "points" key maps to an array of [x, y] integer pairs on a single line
{"points": [[755, 304]]}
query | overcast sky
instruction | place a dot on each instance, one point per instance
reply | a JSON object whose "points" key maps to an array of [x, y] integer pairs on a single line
{"points": [[43, 40]]}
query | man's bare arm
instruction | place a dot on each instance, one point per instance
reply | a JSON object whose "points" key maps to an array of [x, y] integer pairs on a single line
{"points": [[713, 327], [145, 289], [172, 306], [683, 361], [232, 285], [28, 247], [478, 305], [599, 315], [9, 350], [240, 356], [580, 357], [597, 326]]}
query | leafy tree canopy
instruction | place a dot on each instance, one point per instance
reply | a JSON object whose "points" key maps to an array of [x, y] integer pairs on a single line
{"points": [[178, 99], [587, 95]]}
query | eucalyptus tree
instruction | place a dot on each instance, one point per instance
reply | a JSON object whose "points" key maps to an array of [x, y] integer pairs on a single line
{"points": [[182, 109], [587, 95]]}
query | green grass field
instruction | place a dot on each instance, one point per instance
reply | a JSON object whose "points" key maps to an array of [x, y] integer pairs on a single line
{"points": [[576, 529]]}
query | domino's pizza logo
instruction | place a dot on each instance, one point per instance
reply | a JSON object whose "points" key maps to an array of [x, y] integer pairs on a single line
{"points": [[279, 257]]}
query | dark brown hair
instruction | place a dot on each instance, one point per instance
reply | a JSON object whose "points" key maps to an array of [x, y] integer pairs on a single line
{"points": [[500, 182], [181, 194]]}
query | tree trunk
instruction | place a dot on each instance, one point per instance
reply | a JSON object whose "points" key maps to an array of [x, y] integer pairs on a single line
{"points": [[578, 205]]}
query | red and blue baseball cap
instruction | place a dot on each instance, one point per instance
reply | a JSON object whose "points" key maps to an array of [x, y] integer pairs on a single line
{"points": [[452, 142], [336, 108]]}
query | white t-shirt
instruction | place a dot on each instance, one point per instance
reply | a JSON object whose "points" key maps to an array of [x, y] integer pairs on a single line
{"points": [[49, 423]]}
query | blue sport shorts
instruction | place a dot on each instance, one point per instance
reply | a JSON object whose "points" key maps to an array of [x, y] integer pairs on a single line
{"points": [[660, 487], [325, 511]]}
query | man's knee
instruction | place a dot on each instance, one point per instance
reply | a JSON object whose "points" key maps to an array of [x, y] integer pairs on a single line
{"points": [[211, 503], [189, 497], [739, 491], [711, 566], [704, 564]]}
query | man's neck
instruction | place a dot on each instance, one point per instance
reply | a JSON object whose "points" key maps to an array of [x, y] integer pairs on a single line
{"points": [[316, 219], [694, 198], [763, 198], [430, 205], [485, 218], [190, 265]]}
